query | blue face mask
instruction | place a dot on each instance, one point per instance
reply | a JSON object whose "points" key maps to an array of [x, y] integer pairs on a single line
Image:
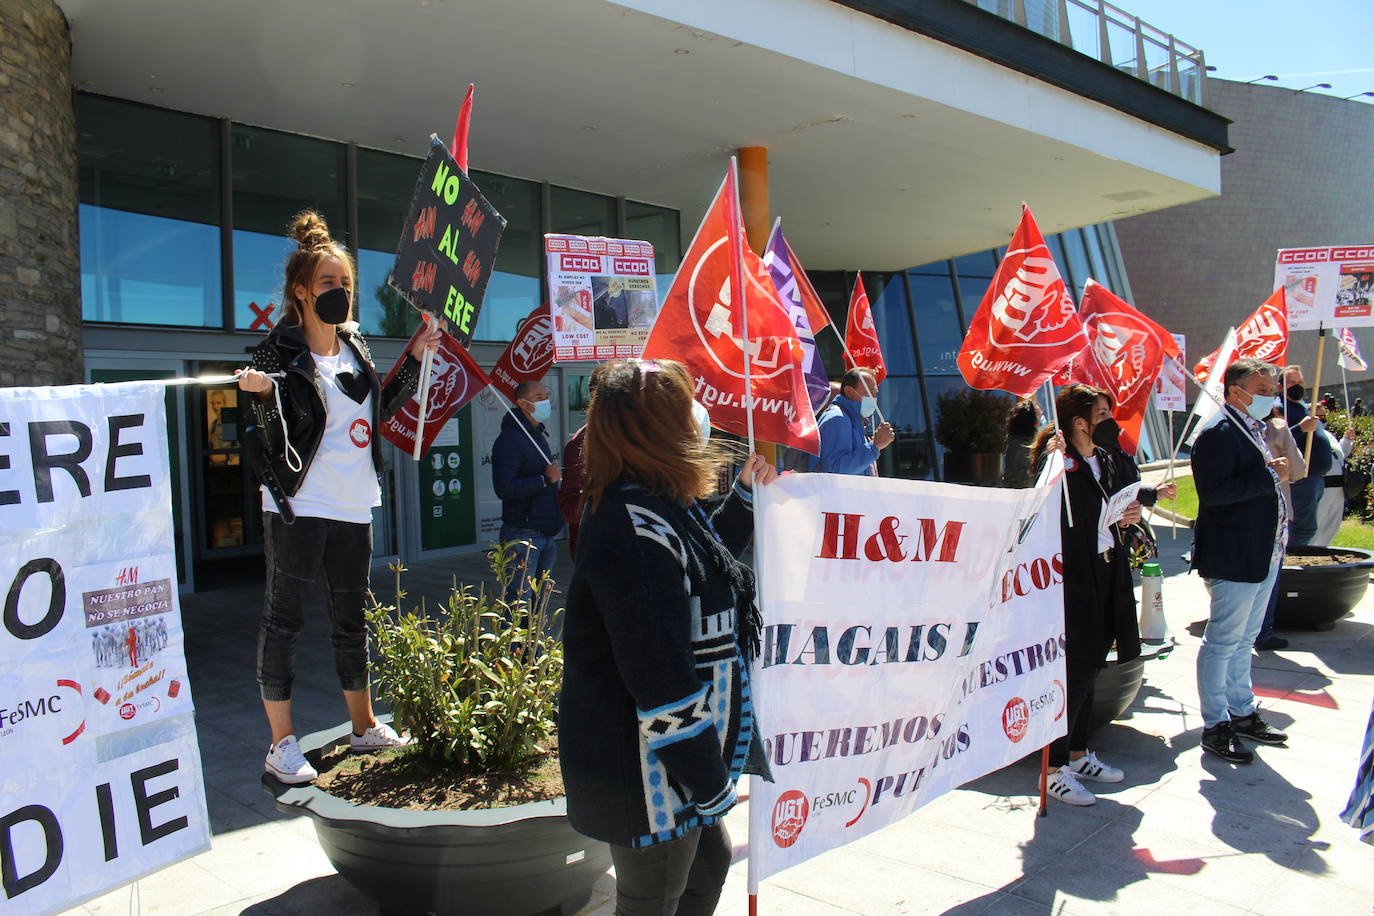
{"points": [[1260, 407], [867, 406], [542, 410]]}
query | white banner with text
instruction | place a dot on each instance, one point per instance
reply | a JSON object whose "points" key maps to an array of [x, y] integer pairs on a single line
{"points": [[101, 779], [913, 641]]}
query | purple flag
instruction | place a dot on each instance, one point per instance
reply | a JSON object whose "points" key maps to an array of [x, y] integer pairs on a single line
{"points": [[777, 257]]}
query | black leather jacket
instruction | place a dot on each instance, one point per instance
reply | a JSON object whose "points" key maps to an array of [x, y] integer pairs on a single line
{"points": [[302, 402]]}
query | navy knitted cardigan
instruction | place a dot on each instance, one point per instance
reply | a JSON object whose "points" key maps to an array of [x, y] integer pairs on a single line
{"points": [[655, 719]]}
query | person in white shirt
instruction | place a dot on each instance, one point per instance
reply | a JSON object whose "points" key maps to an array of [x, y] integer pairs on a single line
{"points": [[313, 444]]}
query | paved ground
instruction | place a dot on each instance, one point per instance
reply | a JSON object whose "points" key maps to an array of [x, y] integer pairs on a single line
{"points": [[1184, 834]]}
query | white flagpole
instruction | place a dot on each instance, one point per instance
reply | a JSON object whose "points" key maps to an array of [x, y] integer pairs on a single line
{"points": [[737, 216], [1345, 387], [210, 379], [1063, 478], [1169, 477], [426, 370]]}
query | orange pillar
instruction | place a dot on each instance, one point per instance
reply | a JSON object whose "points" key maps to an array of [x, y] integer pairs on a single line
{"points": [[753, 195], [753, 200]]}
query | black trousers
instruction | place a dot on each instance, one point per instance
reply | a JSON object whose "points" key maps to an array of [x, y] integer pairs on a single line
{"points": [[339, 553], [1079, 704], [681, 878]]}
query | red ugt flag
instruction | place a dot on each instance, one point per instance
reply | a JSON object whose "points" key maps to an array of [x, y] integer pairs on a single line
{"points": [[860, 335], [455, 380], [699, 325], [1263, 336], [1127, 351], [1025, 328], [529, 354]]}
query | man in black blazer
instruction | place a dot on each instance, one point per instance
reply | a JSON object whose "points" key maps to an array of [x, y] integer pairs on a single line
{"points": [[1238, 544]]}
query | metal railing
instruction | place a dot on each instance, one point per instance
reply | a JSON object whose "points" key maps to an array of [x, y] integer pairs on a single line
{"points": [[1115, 37]]}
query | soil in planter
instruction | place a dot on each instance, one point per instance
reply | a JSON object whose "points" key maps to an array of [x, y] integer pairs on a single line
{"points": [[1335, 559], [404, 778]]}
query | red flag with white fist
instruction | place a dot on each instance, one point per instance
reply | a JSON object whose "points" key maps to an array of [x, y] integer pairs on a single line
{"points": [[861, 335], [700, 325], [454, 380], [1026, 328], [1263, 336]]}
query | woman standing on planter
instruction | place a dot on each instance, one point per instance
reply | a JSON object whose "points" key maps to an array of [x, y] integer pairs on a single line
{"points": [[1099, 603], [655, 719], [313, 445]]}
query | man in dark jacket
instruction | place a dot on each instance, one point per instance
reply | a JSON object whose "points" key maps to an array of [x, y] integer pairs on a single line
{"points": [[526, 477], [1307, 492], [1238, 544]]}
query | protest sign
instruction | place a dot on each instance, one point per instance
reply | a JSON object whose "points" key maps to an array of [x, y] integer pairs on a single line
{"points": [[454, 380], [1170, 391], [102, 771], [1327, 287], [448, 244], [914, 641], [603, 296]]}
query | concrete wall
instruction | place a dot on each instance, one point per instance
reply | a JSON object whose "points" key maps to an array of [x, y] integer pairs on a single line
{"points": [[1302, 174], [40, 279]]}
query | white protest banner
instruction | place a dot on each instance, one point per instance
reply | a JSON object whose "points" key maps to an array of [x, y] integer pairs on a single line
{"points": [[101, 777], [603, 296], [913, 641], [1329, 287], [1171, 392]]}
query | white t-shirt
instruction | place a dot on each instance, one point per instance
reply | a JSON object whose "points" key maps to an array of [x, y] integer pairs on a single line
{"points": [[341, 483], [1104, 533]]}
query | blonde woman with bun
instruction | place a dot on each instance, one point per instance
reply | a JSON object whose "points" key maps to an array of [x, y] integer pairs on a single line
{"points": [[312, 442]]}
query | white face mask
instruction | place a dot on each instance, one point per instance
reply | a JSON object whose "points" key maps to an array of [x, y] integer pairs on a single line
{"points": [[867, 406], [703, 418]]}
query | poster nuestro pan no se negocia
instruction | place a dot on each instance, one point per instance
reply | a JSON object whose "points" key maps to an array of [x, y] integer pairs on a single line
{"points": [[448, 244]]}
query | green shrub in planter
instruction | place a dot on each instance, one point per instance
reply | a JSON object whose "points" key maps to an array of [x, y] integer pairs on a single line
{"points": [[476, 685], [971, 421]]}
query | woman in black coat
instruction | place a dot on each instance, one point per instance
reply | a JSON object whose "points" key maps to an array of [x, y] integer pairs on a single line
{"points": [[655, 722], [1099, 600]]}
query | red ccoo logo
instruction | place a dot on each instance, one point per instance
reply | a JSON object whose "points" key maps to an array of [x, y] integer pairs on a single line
{"points": [[1015, 718], [789, 817]]}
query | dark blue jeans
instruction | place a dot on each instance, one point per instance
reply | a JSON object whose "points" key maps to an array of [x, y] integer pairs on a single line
{"points": [[532, 560], [683, 877], [1306, 494], [339, 554]]}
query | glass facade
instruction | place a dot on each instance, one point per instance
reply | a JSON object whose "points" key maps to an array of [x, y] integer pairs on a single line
{"points": [[167, 240]]}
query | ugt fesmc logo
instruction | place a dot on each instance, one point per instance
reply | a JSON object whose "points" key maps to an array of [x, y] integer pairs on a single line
{"points": [[1017, 715], [789, 817]]}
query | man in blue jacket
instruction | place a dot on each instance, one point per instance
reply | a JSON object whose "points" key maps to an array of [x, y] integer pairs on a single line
{"points": [[1238, 544], [846, 447], [526, 477]]}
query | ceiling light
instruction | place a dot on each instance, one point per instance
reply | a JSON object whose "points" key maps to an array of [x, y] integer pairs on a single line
{"points": [[681, 51], [155, 89], [348, 85]]}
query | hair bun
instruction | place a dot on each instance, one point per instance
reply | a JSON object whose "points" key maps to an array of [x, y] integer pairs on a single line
{"points": [[310, 230]]}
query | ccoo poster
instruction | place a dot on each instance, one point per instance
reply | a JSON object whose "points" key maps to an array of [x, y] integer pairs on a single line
{"points": [[603, 296], [1329, 287], [101, 782]]}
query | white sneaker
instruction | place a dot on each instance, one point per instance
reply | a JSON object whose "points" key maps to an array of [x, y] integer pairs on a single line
{"points": [[378, 737], [286, 762], [1064, 785], [1089, 767]]}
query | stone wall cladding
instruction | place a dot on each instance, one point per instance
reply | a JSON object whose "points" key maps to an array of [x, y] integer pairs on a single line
{"points": [[1301, 175], [40, 271]]}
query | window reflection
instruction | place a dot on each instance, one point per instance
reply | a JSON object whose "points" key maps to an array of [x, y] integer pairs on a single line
{"points": [[515, 281], [148, 214], [932, 299]]}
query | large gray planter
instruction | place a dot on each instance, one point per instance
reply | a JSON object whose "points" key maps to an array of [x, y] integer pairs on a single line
{"points": [[1315, 597], [1118, 684], [516, 861]]}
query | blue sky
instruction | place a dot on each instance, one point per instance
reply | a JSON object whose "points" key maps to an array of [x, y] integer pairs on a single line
{"points": [[1321, 41]]}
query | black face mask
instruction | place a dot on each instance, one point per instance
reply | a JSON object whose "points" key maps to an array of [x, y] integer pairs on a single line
{"points": [[1295, 392], [1106, 433], [332, 305]]}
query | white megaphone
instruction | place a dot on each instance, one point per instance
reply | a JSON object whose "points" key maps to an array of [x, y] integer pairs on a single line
{"points": [[1153, 627]]}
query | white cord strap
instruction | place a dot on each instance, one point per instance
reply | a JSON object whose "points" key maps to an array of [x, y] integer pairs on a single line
{"points": [[290, 449]]}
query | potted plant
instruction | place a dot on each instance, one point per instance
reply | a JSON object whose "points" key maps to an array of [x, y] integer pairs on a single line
{"points": [[972, 427], [1319, 585], [476, 686]]}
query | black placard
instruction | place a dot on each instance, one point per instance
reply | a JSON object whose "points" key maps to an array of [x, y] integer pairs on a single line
{"points": [[448, 244]]}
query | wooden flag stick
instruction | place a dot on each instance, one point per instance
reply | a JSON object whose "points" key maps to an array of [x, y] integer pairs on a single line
{"points": [[1316, 386]]}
